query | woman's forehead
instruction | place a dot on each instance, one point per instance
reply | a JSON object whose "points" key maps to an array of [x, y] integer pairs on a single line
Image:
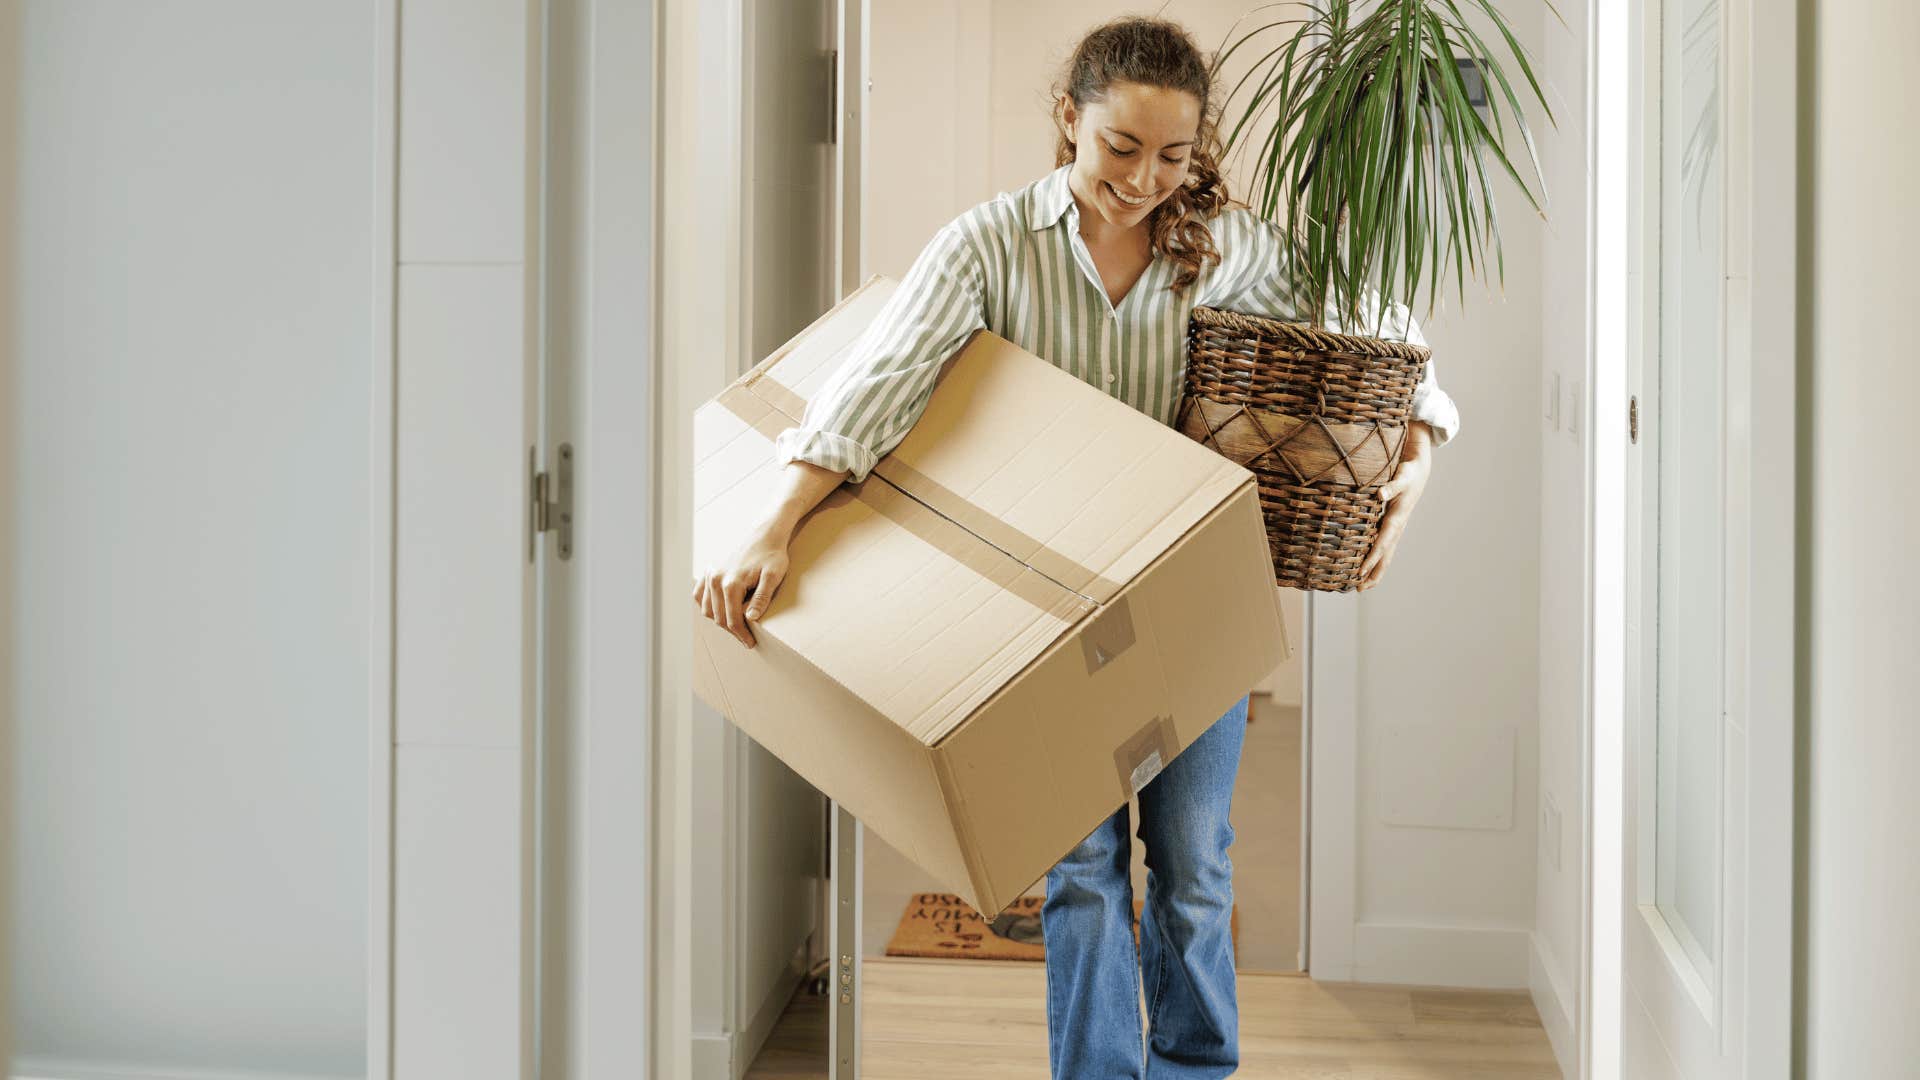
{"points": [[1150, 115]]}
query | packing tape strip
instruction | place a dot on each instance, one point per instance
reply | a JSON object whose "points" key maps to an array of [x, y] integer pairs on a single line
{"points": [[920, 520], [1106, 637], [1141, 758], [780, 397], [790, 408], [1027, 549], [994, 531]]}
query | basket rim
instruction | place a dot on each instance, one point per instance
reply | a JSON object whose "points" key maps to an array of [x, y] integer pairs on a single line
{"points": [[1305, 335]]}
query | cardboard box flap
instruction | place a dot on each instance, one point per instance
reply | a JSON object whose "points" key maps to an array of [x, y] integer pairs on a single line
{"points": [[900, 606], [810, 358], [985, 453], [989, 451]]}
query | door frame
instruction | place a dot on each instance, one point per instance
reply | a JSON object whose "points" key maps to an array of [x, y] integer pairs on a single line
{"points": [[630, 872], [626, 989], [694, 180]]}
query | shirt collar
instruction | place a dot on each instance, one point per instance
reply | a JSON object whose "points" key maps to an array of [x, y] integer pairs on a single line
{"points": [[1051, 198]]}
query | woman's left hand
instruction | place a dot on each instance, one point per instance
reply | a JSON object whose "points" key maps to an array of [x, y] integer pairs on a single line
{"points": [[1400, 494]]}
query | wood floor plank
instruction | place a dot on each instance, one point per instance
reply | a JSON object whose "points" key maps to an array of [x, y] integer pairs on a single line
{"points": [[948, 1020]]}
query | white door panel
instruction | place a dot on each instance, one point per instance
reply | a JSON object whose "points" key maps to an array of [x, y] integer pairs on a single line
{"points": [[1692, 872], [189, 229]]}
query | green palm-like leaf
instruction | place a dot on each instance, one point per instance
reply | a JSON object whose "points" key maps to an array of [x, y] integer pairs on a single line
{"points": [[1366, 147]]}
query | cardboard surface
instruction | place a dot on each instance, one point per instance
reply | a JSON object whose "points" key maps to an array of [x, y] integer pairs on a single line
{"points": [[1027, 610]]}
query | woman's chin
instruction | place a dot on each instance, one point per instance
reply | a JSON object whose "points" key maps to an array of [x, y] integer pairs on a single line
{"points": [[1121, 212]]}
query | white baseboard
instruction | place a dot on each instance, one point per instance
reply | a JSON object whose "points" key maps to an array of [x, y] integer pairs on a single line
{"points": [[1553, 1000], [43, 1068], [728, 1055], [1474, 957], [713, 1056], [762, 1023]]}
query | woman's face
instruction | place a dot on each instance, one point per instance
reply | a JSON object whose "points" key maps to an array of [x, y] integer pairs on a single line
{"points": [[1131, 149]]}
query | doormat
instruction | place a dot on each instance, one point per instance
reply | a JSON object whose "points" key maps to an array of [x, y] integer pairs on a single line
{"points": [[944, 926]]}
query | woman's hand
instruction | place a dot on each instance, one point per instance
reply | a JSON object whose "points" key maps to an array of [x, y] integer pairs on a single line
{"points": [[741, 590], [1400, 494]]}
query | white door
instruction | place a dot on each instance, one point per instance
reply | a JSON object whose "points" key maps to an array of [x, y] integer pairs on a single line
{"points": [[188, 348], [1708, 822], [274, 431]]}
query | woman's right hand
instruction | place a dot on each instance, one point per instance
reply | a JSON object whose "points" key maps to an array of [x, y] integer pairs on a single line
{"points": [[741, 589]]}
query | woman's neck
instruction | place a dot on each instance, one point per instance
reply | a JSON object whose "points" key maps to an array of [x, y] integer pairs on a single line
{"points": [[1102, 234]]}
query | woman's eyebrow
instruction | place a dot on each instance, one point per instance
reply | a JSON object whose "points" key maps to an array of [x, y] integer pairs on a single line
{"points": [[1142, 142]]}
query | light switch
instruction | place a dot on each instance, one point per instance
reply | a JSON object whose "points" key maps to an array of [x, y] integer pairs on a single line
{"points": [[1550, 830]]}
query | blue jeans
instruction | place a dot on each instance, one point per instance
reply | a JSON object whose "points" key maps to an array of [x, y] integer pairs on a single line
{"points": [[1094, 975]]}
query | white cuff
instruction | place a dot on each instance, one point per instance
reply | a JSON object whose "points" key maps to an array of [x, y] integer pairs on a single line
{"points": [[1432, 404]]}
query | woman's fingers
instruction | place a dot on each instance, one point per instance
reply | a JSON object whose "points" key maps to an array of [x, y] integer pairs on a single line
{"points": [[731, 601], [733, 594], [1398, 495], [1385, 541], [763, 594]]}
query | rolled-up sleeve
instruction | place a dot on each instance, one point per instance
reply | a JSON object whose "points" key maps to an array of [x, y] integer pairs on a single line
{"points": [[1430, 403], [1253, 278], [880, 391]]}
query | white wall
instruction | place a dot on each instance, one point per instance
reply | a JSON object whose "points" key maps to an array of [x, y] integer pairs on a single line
{"points": [[1861, 526], [1561, 605], [1449, 659], [1449, 649], [188, 444]]}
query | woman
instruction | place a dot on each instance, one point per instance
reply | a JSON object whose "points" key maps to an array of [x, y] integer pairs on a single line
{"points": [[1094, 267]]}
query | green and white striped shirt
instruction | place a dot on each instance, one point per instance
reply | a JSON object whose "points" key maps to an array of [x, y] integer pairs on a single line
{"points": [[1017, 265]]}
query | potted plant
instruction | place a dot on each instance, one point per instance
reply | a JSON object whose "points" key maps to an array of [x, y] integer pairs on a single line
{"points": [[1377, 130]]}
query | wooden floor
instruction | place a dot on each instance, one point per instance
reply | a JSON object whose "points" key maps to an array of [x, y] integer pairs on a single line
{"points": [[959, 1020]]}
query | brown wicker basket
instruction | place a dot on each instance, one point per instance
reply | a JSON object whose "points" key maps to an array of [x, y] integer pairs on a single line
{"points": [[1318, 417]]}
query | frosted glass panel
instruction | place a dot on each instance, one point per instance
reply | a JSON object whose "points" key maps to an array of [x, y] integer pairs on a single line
{"points": [[1691, 626], [187, 441]]}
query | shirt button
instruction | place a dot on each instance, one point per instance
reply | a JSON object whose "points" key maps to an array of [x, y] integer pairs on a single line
{"points": [[1110, 376]]}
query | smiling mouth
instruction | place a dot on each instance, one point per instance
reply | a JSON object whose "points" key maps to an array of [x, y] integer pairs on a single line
{"points": [[1124, 200]]}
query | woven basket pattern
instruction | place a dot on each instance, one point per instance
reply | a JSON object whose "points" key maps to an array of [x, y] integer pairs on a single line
{"points": [[1320, 419]]}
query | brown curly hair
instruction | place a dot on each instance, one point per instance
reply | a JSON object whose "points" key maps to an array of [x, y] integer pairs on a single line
{"points": [[1155, 52]]}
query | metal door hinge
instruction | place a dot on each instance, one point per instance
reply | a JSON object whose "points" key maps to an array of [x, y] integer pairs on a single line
{"points": [[1633, 419], [552, 509]]}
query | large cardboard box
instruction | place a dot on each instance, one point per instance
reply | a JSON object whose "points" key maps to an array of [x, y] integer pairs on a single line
{"points": [[1036, 601]]}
